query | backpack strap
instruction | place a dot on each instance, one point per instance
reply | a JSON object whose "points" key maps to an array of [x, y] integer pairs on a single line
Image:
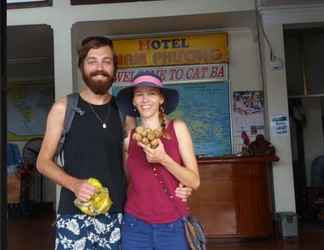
{"points": [[122, 117], [71, 109]]}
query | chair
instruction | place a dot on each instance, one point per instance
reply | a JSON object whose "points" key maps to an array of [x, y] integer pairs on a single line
{"points": [[27, 171]]}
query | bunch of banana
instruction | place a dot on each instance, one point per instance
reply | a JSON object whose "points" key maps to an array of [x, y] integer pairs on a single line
{"points": [[99, 203], [147, 136]]}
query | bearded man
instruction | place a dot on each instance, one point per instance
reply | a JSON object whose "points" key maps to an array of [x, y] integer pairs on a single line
{"points": [[92, 148]]}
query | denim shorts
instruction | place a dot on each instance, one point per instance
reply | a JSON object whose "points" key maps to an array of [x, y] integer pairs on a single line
{"points": [[83, 232], [140, 235]]}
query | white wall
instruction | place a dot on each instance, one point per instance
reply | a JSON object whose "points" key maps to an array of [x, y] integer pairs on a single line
{"points": [[312, 133], [276, 103], [243, 72], [244, 67]]}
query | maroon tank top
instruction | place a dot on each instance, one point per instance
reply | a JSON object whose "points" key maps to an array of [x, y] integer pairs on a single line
{"points": [[146, 199]]}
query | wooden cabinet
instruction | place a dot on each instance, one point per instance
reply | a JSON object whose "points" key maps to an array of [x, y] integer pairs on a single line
{"points": [[234, 198]]}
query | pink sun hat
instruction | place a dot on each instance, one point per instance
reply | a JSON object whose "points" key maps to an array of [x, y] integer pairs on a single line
{"points": [[146, 79]]}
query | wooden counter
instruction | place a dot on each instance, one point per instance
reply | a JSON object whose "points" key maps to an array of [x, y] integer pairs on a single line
{"points": [[234, 198]]}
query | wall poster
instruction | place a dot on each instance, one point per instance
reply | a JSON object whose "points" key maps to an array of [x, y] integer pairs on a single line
{"points": [[247, 117], [28, 106]]}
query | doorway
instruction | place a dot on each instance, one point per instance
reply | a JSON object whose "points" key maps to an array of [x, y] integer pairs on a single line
{"points": [[30, 94], [305, 81]]}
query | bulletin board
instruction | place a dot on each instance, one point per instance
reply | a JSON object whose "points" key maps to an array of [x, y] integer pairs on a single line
{"points": [[205, 107]]}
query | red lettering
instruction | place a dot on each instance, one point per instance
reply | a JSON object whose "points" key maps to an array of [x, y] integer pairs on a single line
{"points": [[217, 71], [204, 71], [179, 74], [196, 74], [172, 74], [189, 73], [124, 76], [165, 43], [119, 76], [162, 73], [184, 43], [176, 44], [221, 71], [143, 44]]}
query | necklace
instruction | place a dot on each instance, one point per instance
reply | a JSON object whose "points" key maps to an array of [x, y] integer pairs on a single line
{"points": [[104, 122]]}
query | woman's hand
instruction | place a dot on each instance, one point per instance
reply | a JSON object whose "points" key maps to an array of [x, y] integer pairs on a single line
{"points": [[156, 155]]}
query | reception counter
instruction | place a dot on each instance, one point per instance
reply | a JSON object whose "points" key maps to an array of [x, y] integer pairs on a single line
{"points": [[234, 199]]}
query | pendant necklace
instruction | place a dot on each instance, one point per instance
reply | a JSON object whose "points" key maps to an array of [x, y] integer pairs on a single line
{"points": [[103, 121]]}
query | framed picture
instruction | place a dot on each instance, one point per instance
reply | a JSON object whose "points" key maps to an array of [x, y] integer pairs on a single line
{"points": [[247, 117], [16, 4], [80, 2]]}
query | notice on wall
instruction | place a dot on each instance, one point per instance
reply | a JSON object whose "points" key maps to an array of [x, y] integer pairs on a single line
{"points": [[279, 125], [247, 118]]}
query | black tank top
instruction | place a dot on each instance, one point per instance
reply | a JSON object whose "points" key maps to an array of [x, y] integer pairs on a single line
{"points": [[93, 151]]}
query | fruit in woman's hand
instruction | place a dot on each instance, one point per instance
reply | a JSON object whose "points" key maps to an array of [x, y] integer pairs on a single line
{"points": [[150, 135], [145, 141], [158, 133], [154, 143], [137, 137], [147, 136], [139, 130]]}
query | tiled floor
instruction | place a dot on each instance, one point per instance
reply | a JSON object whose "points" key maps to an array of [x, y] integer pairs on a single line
{"points": [[37, 233]]}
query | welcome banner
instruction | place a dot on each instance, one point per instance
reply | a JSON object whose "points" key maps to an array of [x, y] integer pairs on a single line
{"points": [[178, 74]]}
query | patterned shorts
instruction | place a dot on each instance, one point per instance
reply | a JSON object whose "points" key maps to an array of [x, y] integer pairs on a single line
{"points": [[82, 232]]}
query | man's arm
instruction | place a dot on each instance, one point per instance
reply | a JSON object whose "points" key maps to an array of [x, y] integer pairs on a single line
{"points": [[45, 161]]}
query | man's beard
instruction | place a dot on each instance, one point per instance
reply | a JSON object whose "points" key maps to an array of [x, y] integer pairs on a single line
{"points": [[99, 87]]}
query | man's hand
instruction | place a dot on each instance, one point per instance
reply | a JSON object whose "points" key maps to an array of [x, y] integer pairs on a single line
{"points": [[83, 190], [183, 192]]}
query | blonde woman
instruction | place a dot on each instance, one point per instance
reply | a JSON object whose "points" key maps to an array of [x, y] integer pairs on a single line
{"points": [[154, 214]]}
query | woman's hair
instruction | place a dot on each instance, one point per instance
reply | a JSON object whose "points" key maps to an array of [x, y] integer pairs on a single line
{"points": [[95, 42], [163, 120]]}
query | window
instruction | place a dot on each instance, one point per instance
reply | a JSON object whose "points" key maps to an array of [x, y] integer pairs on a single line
{"points": [[15, 4], [79, 2]]}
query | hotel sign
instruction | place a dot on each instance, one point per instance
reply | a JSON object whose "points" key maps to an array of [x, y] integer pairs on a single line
{"points": [[172, 50]]}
